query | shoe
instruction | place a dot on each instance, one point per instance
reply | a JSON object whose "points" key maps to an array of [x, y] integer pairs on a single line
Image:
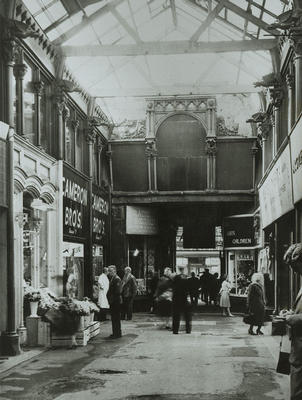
{"points": [[188, 332], [230, 315], [113, 336], [258, 332], [175, 333], [168, 328], [251, 332]]}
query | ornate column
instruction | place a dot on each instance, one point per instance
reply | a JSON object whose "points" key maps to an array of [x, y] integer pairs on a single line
{"points": [[10, 338], [276, 94], [19, 72], [151, 154], [150, 120], [290, 81], [100, 147], [38, 88], [254, 150], [60, 103], [297, 45], [211, 151], [211, 117], [264, 129]]}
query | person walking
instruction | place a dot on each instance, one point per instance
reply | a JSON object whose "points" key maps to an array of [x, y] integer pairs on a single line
{"points": [[103, 285], [225, 303], [163, 297], [115, 300], [193, 286], [152, 285], [206, 282], [180, 305], [129, 288], [256, 303], [215, 288]]}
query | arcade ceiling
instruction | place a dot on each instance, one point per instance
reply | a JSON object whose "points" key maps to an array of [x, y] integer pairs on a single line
{"points": [[122, 51]]}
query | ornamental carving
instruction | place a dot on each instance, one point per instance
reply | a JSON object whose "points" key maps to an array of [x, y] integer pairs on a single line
{"points": [[38, 87], [151, 148], [211, 146], [223, 130], [129, 129], [276, 95], [168, 105], [20, 71]]}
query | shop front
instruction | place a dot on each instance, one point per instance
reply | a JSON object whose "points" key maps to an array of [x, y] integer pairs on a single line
{"points": [[278, 224], [142, 237], [296, 168], [100, 229], [239, 244], [75, 231], [37, 225]]}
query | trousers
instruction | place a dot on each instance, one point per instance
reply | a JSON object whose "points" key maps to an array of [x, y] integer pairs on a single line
{"points": [[115, 312], [178, 310]]}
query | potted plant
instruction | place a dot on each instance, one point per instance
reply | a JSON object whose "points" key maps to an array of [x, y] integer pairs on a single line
{"points": [[33, 296]]}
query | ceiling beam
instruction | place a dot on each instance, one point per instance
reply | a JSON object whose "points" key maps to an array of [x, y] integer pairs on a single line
{"points": [[86, 22], [166, 48], [250, 17], [125, 25], [174, 13], [174, 90], [207, 22]]}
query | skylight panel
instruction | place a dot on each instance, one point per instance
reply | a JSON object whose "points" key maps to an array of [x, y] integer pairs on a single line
{"points": [[33, 5], [43, 20], [56, 11], [235, 19]]}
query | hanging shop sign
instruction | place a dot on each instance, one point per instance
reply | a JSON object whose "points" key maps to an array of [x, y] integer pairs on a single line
{"points": [[276, 192], [141, 221], [100, 215], [75, 204], [238, 231], [296, 160]]}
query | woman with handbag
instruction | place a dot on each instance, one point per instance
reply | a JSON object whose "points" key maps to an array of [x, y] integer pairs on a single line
{"points": [[256, 304], [163, 297], [225, 303]]}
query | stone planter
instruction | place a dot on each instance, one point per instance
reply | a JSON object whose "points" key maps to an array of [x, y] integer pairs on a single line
{"points": [[33, 308]]}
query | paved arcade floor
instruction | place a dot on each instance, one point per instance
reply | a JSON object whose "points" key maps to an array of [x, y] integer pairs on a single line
{"points": [[217, 361]]}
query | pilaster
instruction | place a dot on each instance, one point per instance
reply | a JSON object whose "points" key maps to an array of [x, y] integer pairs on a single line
{"points": [[211, 151]]}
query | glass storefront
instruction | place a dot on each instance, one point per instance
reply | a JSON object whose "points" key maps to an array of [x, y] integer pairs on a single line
{"points": [[98, 260], [73, 270], [241, 266]]}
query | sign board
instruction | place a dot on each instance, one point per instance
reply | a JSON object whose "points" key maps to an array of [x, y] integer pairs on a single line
{"points": [[75, 204], [100, 215], [238, 231], [296, 160], [276, 192], [141, 221]]}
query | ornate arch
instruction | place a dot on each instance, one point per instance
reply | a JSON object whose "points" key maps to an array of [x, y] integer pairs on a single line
{"points": [[33, 185], [171, 114]]}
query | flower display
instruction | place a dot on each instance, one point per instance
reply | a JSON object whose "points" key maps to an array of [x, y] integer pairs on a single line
{"points": [[32, 294], [48, 300], [75, 307], [93, 307]]}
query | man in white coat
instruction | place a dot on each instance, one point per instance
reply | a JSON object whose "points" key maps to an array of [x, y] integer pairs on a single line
{"points": [[103, 289]]}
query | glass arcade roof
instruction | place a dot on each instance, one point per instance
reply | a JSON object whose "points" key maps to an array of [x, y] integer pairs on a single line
{"points": [[122, 51]]}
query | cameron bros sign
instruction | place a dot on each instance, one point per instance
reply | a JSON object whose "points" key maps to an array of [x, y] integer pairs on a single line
{"points": [[75, 201], [100, 208]]}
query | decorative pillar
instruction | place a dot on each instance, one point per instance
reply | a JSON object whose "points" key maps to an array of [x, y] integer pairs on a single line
{"points": [[290, 81], [151, 154], [211, 151], [38, 89], [254, 152], [211, 117], [276, 94], [60, 102], [10, 338], [109, 155], [19, 72], [297, 44], [100, 147], [264, 128], [150, 120], [88, 272]]}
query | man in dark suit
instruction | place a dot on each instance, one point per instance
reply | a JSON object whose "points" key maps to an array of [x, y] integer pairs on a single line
{"points": [[180, 304], [115, 300], [194, 285]]}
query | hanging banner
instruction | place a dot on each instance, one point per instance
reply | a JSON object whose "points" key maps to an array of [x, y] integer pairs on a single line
{"points": [[75, 204], [275, 194], [100, 215], [296, 159]]}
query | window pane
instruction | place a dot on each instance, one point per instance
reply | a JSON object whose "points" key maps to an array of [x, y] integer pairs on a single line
{"points": [[29, 106], [69, 144], [79, 150]]}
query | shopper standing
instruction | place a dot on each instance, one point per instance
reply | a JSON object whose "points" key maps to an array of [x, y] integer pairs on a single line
{"points": [[163, 297], [193, 286], [115, 300], [103, 284], [180, 305], [256, 303], [225, 303], [129, 288]]}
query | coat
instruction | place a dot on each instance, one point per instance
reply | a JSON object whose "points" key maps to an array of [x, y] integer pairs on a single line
{"points": [[180, 290], [224, 294], [129, 286], [103, 289], [163, 296], [115, 289], [256, 303]]}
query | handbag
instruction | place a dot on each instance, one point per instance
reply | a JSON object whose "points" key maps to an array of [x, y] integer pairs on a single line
{"points": [[283, 366], [248, 319]]}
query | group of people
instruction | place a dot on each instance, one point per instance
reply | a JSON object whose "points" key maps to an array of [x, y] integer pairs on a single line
{"points": [[115, 294]]}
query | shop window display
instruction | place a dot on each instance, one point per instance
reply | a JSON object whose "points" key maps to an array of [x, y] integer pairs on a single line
{"points": [[73, 270], [241, 269], [98, 260]]}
